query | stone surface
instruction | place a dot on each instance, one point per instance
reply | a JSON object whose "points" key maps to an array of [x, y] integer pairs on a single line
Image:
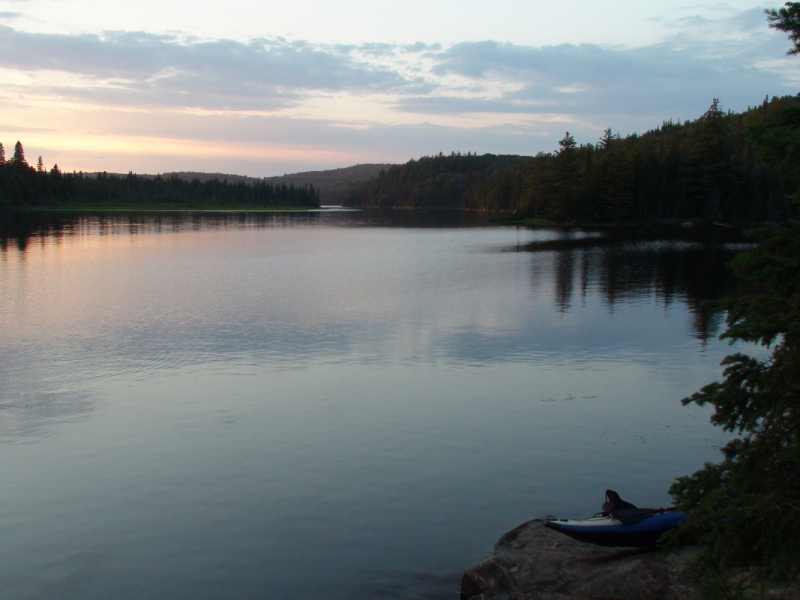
{"points": [[532, 562]]}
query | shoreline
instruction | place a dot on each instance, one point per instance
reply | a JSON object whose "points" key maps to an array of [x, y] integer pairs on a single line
{"points": [[161, 209], [532, 562], [685, 224]]}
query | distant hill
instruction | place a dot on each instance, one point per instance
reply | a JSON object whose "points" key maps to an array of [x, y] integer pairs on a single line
{"points": [[454, 181], [334, 185]]}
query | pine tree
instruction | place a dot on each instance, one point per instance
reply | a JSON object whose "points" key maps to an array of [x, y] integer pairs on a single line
{"points": [[561, 187], [787, 19], [707, 166], [40, 165], [747, 507], [2, 154], [714, 148], [607, 139], [615, 185], [19, 154]]}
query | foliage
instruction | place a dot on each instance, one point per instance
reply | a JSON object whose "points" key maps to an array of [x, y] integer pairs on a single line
{"points": [[778, 139], [24, 186], [787, 19], [455, 181], [333, 185], [746, 509], [779, 135], [709, 168], [19, 154], [722, 166], [722, 587]]}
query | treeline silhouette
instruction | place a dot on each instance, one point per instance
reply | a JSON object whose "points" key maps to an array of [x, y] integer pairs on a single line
{"points": [[433, 181], [723, 166], [22, 185]]}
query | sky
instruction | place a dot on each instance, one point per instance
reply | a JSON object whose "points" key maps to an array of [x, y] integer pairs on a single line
{"points": [[264, 88]]}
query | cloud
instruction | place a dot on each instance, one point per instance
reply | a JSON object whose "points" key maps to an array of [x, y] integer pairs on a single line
{"points": [[14, 128], [333, 105], [165, 69], [736, 58], [728, 58], [588, 79], [421, 47]]}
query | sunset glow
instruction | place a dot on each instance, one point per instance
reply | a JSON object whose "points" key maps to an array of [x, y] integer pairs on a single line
{"points": [[261, 90]]}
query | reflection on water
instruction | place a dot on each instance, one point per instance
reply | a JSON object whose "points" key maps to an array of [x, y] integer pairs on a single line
{"points": [[332, 404], [21, 228], [625, 265]]}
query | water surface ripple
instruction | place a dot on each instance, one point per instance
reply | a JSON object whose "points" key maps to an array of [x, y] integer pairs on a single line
{"points": [[332, 404]]}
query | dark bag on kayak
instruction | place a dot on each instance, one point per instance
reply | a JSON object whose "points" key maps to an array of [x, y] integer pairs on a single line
{"points": [[614, 503]]}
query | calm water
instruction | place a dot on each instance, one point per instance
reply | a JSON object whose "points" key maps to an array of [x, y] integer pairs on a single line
{"points": [[337, 405]]}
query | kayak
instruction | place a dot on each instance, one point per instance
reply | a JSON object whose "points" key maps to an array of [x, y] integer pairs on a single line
{"points": [[626, 527]]}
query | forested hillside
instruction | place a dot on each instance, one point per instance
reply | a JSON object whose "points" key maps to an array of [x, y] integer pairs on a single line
{"points": [[434, 182], [333, 185], [722, 166], [24, 186]]}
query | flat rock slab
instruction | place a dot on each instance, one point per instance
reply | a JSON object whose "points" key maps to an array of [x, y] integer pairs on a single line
{"points": [[533, 562]]}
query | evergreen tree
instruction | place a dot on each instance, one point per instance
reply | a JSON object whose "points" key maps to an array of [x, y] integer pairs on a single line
{"points": [[779, 134], [778, 139], [567, 145], [787, 19], [607, 140], [19, 154], [40, 165], [499, 197], [747, 508], [615, 185], [2, 154], [534, 184], [710, 157], [561, 194]]}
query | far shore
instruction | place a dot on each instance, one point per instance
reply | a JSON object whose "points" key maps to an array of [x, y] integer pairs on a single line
{"points": [[493, 219], [162, 208]]}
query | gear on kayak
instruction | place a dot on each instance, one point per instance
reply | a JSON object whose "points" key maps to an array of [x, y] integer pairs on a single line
{"points": [[620, 524]]}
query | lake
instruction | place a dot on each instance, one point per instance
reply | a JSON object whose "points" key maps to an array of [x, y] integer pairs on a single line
{"points": [[336, 404]]}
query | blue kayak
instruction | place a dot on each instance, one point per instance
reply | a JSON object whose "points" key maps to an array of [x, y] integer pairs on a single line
{"points": [[639, 527]]}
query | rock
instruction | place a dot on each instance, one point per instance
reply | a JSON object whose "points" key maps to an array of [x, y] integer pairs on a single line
{"points": [[532, 562]]}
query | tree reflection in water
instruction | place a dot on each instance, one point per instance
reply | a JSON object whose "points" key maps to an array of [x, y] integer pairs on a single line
{"points": [[633, 264], [623, 265]]}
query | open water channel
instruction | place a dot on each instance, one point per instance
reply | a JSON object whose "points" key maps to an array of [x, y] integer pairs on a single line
{"points": [[334, 404]]}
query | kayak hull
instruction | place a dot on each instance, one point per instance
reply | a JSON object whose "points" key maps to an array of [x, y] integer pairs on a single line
{"points": [[609, 531]]}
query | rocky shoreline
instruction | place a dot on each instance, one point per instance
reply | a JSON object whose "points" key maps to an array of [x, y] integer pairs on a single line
{"points": [[532, 562]]}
